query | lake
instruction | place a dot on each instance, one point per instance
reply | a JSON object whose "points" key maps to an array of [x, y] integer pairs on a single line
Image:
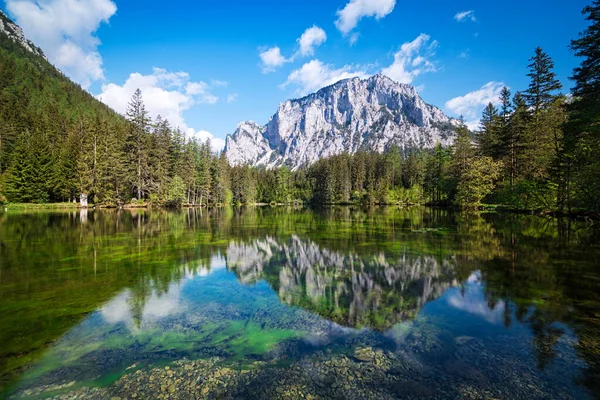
{"points": [[293, 303]]}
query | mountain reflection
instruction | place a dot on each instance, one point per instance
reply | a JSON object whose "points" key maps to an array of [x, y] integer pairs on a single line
{"points": [[372, 290], [358, 268]]}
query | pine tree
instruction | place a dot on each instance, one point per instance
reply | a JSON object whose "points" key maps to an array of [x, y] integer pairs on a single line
{"points": [[580, 154], [435, 173], [161, 157], [203, 172], [283, 185], [543, 83], [506, 105], [112, 164], [137, 142], [358, 175], [540, 96], [489, 132], [187, 170], [515, 138], [476, 182]]}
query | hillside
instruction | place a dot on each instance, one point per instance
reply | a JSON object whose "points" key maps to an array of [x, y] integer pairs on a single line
{"points": [[40, 110]]}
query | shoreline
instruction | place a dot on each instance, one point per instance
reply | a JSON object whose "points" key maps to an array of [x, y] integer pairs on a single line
{"points": [[485, 208]]}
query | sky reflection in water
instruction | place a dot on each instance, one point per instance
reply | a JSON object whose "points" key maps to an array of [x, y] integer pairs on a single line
{"points": [[479, 303]]}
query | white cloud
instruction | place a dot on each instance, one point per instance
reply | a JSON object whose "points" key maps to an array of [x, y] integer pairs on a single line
{"points": [[216, 82], [315, 75], [65, 31], [471, 104], [355, 10], [165, 93], [311, 38], [412, 60], [231, 98], [271, 59], [217, 144], [466, 16]]}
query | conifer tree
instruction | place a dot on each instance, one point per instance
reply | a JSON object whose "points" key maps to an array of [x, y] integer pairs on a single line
{"points": [[543, 82], [515, 138], [161, 157], [137, 142], [581, 144], [203, 172], [540, 96], [489, 132]]}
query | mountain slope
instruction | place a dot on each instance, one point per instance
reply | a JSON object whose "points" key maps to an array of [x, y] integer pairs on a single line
{"points": [[12, 32], [349, 116], [45, 119]]}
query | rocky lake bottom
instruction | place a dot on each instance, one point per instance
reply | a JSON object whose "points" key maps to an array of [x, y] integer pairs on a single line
{"points": [[341, 303]]}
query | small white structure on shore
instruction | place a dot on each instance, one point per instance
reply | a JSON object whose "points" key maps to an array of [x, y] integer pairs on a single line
{"points": [[83, 200]]}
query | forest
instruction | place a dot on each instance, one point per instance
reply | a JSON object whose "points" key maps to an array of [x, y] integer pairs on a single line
{"points": [[538, 150]]}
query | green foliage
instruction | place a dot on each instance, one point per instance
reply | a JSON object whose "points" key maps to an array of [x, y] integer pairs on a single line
{"points": [[57, 142], [176, 192], [580, 152], [477, 181]]}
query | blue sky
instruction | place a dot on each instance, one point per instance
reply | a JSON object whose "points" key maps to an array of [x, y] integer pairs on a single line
{"points": [[199, 63]]}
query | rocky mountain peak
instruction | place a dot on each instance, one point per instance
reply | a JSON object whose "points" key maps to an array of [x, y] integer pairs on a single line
{"points": [[15, 33], [351, 115]]}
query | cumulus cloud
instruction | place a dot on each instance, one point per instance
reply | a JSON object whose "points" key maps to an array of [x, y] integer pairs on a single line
{"points": [[165, 93], [232, 98], [217, 144], [412, 59], [315, 75], [271, 59], [65, 31], [311, 38], [472, 103], [355, 10], [465, 16]]}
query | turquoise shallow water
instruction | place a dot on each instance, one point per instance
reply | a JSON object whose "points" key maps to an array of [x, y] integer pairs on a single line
{"points": [[272, 303]]}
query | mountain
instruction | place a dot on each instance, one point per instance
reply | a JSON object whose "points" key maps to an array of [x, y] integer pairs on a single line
{"points": [[15, 34], [349, 116], [46, 121]]}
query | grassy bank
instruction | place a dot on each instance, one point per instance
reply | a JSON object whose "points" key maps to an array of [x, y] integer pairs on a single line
{"points": [[39, 206]]}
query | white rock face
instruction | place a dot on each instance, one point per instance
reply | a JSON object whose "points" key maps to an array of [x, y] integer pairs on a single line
{"points": [[14, 32], [349, 116]]}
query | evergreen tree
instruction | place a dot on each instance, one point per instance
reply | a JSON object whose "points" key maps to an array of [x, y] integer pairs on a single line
{"points": [[203, 172], [515, 138], [580, 156], [161, 157], [476, 182], [489, 135], [136, 145], [543, 83], [435, 174], [540, 96]]}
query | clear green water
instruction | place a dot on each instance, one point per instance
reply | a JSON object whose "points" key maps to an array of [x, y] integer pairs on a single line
{"points": [[275, 303]]}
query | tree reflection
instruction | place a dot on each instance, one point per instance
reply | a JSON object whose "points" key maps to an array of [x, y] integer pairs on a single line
{"points": [[356, 267]]}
